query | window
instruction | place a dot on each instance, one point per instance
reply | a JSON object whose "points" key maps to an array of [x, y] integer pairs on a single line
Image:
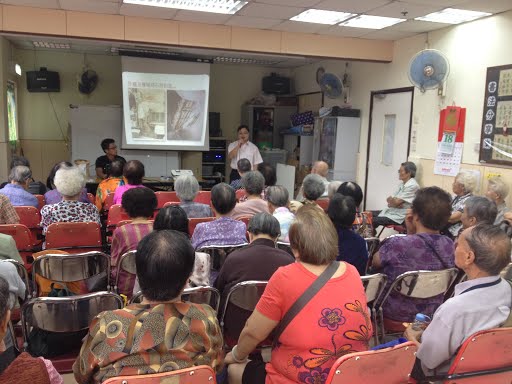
{"points": [[12, 113]]}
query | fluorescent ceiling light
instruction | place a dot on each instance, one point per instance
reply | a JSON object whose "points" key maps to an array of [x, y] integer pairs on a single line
{"points": [[320, 16], [213, 6], [51, 45], [453, 16], [371, 22]]}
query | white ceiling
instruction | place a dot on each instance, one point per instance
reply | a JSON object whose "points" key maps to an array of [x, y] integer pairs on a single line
{"points": [[275, 14]]}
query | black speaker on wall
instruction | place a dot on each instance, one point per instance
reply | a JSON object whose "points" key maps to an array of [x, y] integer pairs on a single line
{"points": [[214, 124], [43, 81], [276, 85]]}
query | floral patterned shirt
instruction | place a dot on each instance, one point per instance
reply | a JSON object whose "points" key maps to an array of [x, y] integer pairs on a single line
{"points": [[149, 338], [334, 323], [411, 253], [223, 231], [285, 218], [196, 210], [70, 212]]}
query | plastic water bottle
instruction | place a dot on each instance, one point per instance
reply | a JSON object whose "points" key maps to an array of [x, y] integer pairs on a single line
{"points": [[420, 322]]}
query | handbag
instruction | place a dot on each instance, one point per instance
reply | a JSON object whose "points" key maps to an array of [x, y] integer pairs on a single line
{"points": [[303, 299]]}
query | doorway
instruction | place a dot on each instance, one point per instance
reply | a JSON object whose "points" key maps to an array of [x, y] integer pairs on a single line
{"points": [[388, 143]]}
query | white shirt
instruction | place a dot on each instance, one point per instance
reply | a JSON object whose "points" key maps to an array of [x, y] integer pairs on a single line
{"points": [[405, 192], [247, 151], [461, 316]]}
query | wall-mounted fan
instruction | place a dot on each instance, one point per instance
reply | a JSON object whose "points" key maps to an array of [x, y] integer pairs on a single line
{"points": [[331, 85], [428, 69], [88, 82]]}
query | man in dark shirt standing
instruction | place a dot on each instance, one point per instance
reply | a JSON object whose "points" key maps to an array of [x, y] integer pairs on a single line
{"points": [[103, 162], [257, 261]]}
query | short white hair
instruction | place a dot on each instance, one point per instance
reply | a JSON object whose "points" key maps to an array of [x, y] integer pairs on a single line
{"points": [[186, 187], [468, 181], [498, 186], [69, 181]]}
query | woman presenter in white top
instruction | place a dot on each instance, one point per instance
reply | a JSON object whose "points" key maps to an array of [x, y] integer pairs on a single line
{"points": [[242, 149]]}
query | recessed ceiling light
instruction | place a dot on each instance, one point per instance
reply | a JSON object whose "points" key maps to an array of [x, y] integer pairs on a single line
{"points": [[320, 16], [453, 16], [213, 6], [371, 22]]}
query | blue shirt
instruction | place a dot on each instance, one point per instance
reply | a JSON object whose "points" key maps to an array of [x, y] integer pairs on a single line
{"points": [[19, 196], [352, 249]]}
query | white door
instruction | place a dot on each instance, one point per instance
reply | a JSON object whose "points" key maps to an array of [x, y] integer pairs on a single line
{"points": [[389, 142]]}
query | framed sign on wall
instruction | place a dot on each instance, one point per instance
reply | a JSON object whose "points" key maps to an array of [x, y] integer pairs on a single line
{"points": [[496, 131]]}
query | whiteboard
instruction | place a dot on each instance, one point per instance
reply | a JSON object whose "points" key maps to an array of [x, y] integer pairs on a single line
{"points": [[286, 177], [91, 123]]}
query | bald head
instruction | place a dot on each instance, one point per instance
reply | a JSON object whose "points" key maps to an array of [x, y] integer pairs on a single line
{"points": [[320, 168]]}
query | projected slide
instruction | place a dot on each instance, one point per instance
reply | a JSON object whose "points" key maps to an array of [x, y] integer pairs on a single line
{"points": [[165, 111]]}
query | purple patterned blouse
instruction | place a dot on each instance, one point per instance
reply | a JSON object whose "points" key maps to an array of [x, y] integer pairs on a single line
{"points": [[223, 231], [410, 253]]}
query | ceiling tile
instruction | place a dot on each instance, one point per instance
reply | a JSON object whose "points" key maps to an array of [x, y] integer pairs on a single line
{"points": [[292, 3], [252, 22], [202, 17], [297, 26], [144, 11], [269, 11], [353, 6], [97, 6], [33, 3], [384, 34], [417, 26], [397, 8], [442, 3], [336, 30], [494, 6]]}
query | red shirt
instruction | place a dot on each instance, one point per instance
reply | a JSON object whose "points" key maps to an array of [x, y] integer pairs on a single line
{"points": [[335, 322]]}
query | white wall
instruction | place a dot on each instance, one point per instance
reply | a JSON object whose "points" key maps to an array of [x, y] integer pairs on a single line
{"points": [[470, 48]]}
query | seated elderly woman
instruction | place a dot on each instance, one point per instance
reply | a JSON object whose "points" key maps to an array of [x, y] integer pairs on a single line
{"points": [[224, 230], [160, 334], [139, 204], [352, 247], [133, 172], [69, 182], [20, 178], [242, 166], [497, 191], [336, 319], [477, 210], [187, 187], [277, 199], [479, 303], [173, 217], [401, 200], [23, 369], [257, 261], [53, 195], [253, 182], [313, 187], [363, 221], [109, 185], [423, 248], [463, 187]]}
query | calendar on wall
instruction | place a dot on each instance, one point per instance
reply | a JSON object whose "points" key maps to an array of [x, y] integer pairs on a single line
{"points": [[450, 138], [496, 131]]}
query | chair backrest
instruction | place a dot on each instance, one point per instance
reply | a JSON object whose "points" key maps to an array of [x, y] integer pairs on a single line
{"points": [[240, 193], [109, 201], [203, 197], [422, 284], [244, 295], [507, 272], [40, 200], [163, 197], [66, 314], [192, 223], [23, 239], [29, 216], [485, 351], [246, 220], [372, 243], [323, 203], [390, 365], [23, 273], [74, 237], [116, 213], [71, 268], [374, 286], [201, 374], [126, 263], [169, 203], [203, 295], [218, 253]]}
